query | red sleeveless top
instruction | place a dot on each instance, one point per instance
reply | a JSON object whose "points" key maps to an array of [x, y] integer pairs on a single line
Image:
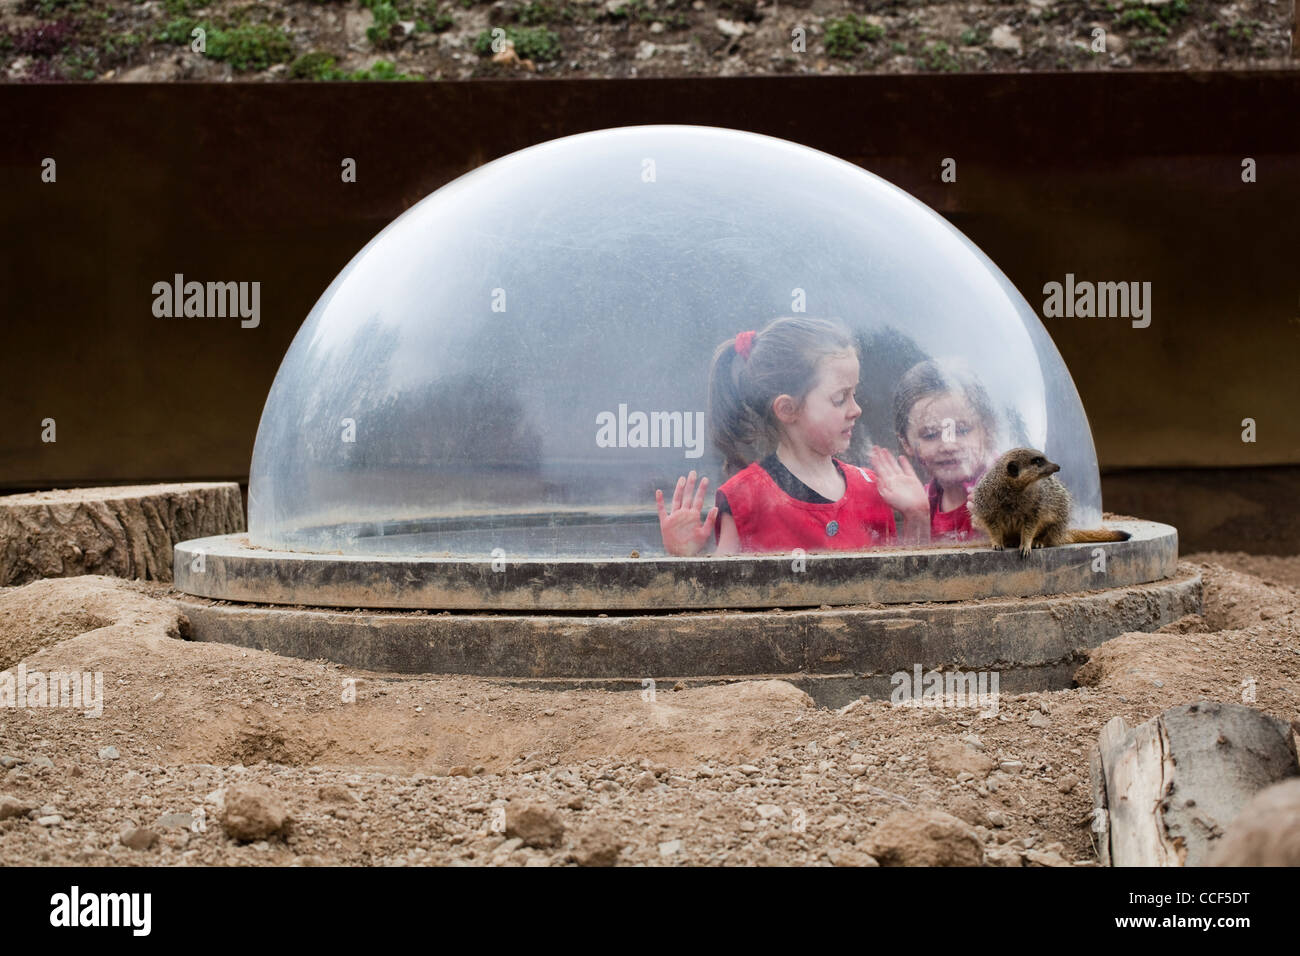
{"points": [[768, 519]]}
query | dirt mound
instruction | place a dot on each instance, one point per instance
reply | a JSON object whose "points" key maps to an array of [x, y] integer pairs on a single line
{"points": [[52, 610]]}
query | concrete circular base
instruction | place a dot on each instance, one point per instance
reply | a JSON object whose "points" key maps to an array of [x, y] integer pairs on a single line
{"points": [[836, 653], [227, 568]]}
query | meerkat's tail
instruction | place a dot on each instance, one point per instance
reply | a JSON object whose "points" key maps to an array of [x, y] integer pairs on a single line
{"points": [[1081, 535]]}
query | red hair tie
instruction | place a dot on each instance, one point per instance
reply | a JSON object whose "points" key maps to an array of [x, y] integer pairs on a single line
{"points": [[745, 344]]}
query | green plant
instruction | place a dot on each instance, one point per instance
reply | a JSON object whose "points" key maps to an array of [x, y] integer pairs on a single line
{"points": [[974, 36], [384, 32], [80, 65], [121, 45], [531, 43], [47, 8], [1243, 30], [250, 46], [846, 36], [320, 66], [898, 47], [313, 66], [179, 30], [179, 8], [383, 70], [1155, 20], [1148, 46], [245, 47], [937, 57], [544, 11], [433, 20]]}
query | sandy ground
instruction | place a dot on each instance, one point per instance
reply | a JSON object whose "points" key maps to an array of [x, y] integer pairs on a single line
{"points": [[429, 771]]}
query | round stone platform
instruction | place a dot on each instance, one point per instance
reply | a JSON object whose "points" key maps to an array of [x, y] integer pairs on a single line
{"points": [[836, 654], [227, 568]]}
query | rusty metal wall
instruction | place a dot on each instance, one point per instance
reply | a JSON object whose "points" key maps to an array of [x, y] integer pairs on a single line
{"points": [[1107, 176]]}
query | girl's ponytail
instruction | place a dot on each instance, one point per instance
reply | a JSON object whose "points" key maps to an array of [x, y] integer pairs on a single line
{"points": [[734, 425]]}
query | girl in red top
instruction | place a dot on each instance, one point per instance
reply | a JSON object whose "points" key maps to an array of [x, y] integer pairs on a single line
{"points": [[790, 387], [945, 421]]}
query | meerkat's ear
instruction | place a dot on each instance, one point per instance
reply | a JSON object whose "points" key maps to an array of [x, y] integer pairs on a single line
{"points": [[1013, 469]]}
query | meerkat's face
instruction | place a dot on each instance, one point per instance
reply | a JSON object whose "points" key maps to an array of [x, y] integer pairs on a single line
{"points": [[1024, 466]]}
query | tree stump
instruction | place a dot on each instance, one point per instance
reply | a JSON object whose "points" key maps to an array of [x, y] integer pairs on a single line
{"points": [[126, 532], [1165, 792]]}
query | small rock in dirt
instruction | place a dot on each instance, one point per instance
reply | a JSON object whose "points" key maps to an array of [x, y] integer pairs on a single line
{"points": [[52, 820], [997, 818], [460, 771], [1037, 719], [847, 856], [970, 809], [185, 820], [597, 845], [1004, 38], [138, 838], [1011, 766], [8, 761], [1003, 856], [645, 781], [253, 812], [13, 807], [134, 778], [925, 838], [1044, 858], [334, 793], [537, 824], [952, 757], [1067, 783], [669, 847], [109, 753], [43, 761]]}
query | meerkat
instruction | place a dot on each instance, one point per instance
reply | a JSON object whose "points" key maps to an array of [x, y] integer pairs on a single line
{"points": [[1020, 503]]}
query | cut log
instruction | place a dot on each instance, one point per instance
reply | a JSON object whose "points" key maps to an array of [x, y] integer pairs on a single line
{"points": [[126, 532], [1166, 791], [1266, 832]]}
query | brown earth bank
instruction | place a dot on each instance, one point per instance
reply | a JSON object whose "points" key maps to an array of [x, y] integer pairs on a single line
{"points": [[154, 40], [457, 771]]}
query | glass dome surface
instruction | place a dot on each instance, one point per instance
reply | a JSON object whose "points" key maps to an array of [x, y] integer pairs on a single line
{"points": [[519, 360]]}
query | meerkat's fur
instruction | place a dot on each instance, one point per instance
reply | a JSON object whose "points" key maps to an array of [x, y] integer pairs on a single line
{"points": [[1020, 503]]}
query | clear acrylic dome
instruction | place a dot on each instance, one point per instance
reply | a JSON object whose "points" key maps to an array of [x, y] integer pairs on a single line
{"points": [[475, 378]]}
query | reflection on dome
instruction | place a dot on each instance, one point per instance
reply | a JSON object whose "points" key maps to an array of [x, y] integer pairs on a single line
{"points": [[520, 360]]}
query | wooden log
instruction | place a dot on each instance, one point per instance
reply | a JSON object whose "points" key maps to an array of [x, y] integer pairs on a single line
{"points": [[1166, 791], [1266, 832], [126, 532]]}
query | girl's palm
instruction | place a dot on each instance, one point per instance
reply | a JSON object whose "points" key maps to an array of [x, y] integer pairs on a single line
{"points": [[682, 531], [899, 485]]}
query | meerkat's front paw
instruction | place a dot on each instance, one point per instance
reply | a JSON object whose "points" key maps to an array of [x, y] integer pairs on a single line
{"points": [[1024, 550]]}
